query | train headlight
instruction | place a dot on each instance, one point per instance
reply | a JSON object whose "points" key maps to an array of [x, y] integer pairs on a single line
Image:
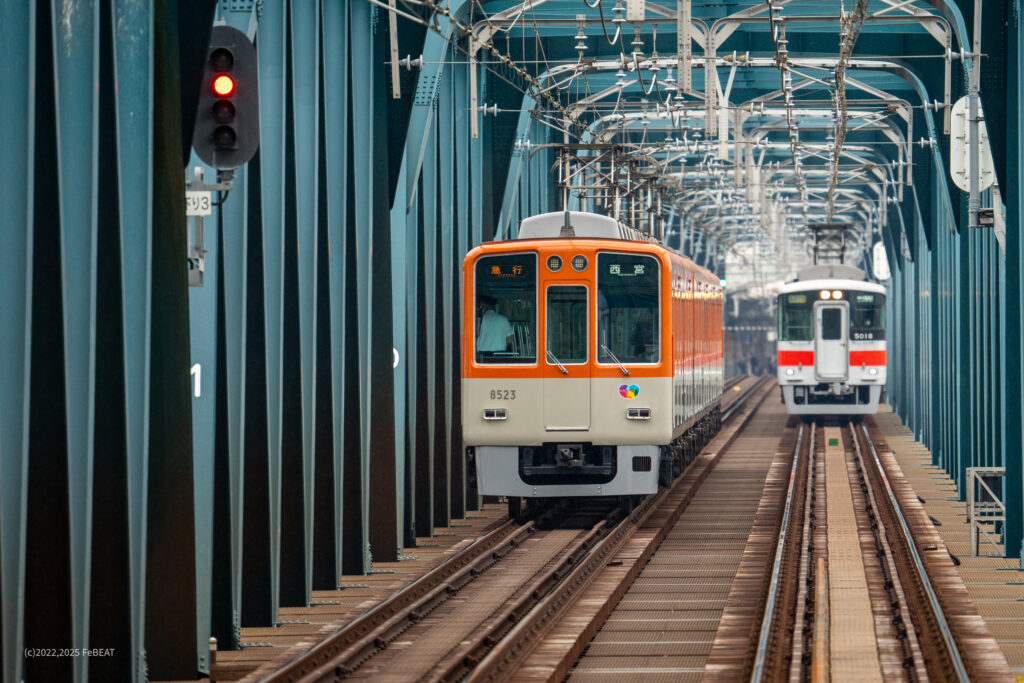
{"points": [[554, 263], [837, 294], [790, 371], [579, 262], [873, 371], [825, 294]]}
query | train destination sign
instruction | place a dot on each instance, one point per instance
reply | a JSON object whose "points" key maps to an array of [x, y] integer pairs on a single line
{"points": [[507, 270]]}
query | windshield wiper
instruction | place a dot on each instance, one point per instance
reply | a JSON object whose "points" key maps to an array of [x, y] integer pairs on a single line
{"points": [[551, 358], [604, 347]]}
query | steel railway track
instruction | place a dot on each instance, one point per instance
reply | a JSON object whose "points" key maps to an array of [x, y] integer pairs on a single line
{"points": [[912, 634], [501, 636]]}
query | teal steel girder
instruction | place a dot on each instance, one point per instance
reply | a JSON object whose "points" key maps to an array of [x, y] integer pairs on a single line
{"points": [[417, 511], [134, 96], [336, 169], [305, 92], [1012, 350], [17, 54], [202, 307], [271, 44], [426, 496], [77, 63], [446, 158]]}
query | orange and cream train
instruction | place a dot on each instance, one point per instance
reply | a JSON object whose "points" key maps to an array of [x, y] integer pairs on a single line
{"points": [[591, 360], [831, 342]]}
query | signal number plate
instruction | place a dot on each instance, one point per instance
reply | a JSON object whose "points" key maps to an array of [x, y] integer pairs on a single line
{"points": [[197, 203]]}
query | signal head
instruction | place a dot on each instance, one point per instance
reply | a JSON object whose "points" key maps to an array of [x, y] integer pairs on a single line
{"points": [[223, 85], [227, 129], [222, 59]]}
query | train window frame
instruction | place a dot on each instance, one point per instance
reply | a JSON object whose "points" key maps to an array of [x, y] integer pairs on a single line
{"points": [[859, 333], [810, 298], [492, 362], [547, 310], [659, 313]]}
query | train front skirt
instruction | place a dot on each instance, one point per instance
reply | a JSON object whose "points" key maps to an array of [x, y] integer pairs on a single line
{"points": [[828, 399], [576, 470]]}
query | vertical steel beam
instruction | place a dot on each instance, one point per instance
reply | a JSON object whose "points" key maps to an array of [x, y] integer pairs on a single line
{"points": [[399, 316], [428, 248], [202, 311], [134, 101], [1013, 335], [413, 312], [76, 56], [937, 368], [445, 124], [17, 82], [226, 607], [407, 275], [363, 151], [305, 92], [234, 256], [170, 526], [272, 196], [461, 247], [964, 335], [385, 530], [335, 56], [476, 155]]}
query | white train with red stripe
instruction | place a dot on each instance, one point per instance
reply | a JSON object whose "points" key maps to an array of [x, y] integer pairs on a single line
{"points": [[831, 342]]}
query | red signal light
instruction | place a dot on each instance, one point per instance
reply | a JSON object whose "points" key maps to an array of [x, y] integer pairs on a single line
{"points": [[223, 85]]}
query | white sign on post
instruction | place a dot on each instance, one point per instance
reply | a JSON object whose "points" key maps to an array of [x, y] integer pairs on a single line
{"points": [[197, 203], [960, 148], [880, 262]]}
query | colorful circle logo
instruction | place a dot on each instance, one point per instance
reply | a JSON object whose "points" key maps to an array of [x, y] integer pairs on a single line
{"points": [[629, 391]]}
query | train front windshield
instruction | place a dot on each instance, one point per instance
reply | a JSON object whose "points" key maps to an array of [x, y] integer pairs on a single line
{"points": [[796, 319], [867, 315], [506, 309], [627, 308]]}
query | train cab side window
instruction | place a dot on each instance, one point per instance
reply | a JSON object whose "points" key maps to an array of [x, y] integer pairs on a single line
{"points": [[628, 308], [796, 317], [867, 316], [505, 300]]}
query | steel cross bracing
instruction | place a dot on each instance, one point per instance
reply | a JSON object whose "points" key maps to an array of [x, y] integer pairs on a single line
{"points": [[673, 141]]}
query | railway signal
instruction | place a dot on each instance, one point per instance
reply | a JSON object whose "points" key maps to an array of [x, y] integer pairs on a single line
{"points": [[227, 130]]}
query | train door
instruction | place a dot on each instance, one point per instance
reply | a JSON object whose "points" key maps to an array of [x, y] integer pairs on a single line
{"points": [[831, 358], [567, 369]]}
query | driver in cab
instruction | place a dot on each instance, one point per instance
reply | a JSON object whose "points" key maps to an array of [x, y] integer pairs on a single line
{"points": [[494, 331]]}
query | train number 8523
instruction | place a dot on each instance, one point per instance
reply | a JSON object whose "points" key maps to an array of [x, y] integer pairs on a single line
{"points": [[503, 394]]}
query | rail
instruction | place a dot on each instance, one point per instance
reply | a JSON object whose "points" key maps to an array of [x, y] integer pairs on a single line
{"points": [[668, 504], [745, 394], [769, 610], [933, 599], [401, 602]]}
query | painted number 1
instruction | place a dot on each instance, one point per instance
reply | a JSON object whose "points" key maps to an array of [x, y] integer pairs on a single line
{"points": [[197, 372]]}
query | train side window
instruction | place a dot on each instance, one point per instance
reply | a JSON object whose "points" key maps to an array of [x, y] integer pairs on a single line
{"points": [[628, 319], [795, 317], [831, 323], [505, 300]]}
